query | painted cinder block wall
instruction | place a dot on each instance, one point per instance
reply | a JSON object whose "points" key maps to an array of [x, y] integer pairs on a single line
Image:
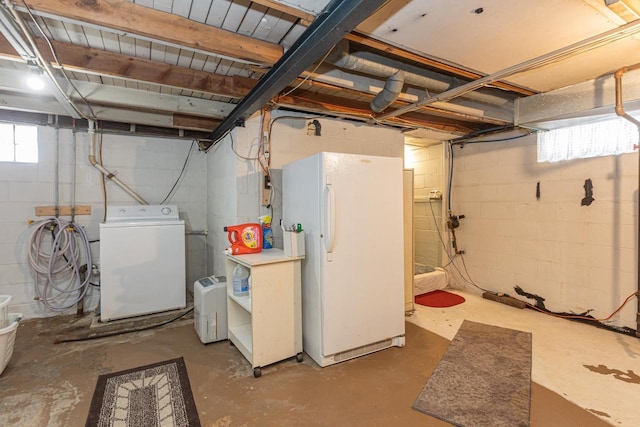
{"points": [[149, 165], [291, 139], [427, 163], [577, 257]]}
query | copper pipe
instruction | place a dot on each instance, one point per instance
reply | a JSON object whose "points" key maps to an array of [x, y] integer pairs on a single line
{"points": [[620, 112], [619, 108]]}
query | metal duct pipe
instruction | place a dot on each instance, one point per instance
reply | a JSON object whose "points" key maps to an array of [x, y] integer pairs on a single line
{"points": [[620, 112], [105, 172], [391, 91], [585, 45], [377, 65]]}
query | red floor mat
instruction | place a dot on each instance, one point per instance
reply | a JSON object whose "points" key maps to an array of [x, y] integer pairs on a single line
{"points": [[439, 299]]}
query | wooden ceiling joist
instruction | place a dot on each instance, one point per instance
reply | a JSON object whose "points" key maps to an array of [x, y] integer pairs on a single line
{"points": [[331, 104], [94, 61], [365, 40], [131, 18], [185, 121], [429, 109]]}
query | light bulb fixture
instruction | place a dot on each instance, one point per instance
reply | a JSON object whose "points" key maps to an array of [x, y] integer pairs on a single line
{"points": [[34, 78]]}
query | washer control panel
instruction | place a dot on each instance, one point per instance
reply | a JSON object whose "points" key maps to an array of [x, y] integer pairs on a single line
{"points": [[142, 213]]}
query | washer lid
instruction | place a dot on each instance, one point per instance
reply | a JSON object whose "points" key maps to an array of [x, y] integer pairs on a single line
{"points": [[142, 213]]}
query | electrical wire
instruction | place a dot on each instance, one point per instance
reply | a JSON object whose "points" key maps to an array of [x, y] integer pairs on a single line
{"points": [[452, 258], [235, 151], [311, 72], [263, 151], [184, 167], [41, 62], [112, 334], [62, 69], [462, 140], [450, 184], [470, 281], [577, 317], [217, 141], [444, 245], [481, 132], [510, 138], [61, 261]]}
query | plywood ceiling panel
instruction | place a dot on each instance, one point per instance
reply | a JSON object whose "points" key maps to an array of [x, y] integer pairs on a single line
{"points": [[502, 35]]}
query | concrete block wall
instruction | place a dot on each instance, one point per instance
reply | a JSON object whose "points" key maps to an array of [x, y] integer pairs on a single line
{"points": [[222, 200], [291, 139], [427, 215], [149, 165], [577, 257]]}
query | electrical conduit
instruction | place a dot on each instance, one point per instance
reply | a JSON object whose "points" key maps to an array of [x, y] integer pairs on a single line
{"points": [[105, 172], [620, 112]]}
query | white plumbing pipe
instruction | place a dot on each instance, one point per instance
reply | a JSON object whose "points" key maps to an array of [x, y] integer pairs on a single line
{"points": [[105, 172], [73, 175], [57, 171]]}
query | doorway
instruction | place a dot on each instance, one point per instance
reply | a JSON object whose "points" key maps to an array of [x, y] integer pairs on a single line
{"points": [[427, 161]]}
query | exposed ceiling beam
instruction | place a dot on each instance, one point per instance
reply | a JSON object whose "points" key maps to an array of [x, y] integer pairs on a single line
{"points": [[365, 40], [131, 18], [320, 103], [331, 25], [49, 105], [121, 97], [305, 18], [337, 79], [443, 110], [94, 61], [149, 101], [184, 121]]}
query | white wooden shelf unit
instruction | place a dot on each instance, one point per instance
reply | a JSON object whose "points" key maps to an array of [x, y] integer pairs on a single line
{"points": [[266, 325]]}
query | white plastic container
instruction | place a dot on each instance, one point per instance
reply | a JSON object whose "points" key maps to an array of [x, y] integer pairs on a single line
{"points": [[8, 339], [240, 281], [293, 243], [4, 309]]}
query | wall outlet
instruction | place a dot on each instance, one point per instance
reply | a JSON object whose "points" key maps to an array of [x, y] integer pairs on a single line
{"points": [[435, 195], [266, 197]]}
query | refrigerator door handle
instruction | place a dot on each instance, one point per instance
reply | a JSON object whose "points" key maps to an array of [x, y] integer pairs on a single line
{"points": [[331, 221]]}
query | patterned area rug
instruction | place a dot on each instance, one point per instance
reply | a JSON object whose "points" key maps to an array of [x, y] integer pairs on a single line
{"points": [[483, 379], [156, 395]]}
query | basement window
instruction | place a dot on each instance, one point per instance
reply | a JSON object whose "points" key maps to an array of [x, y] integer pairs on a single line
{"points": [[18, 143], [606, 138]]}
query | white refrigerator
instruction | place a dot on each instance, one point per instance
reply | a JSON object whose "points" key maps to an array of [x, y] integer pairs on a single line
{"points": [[350, 209]]}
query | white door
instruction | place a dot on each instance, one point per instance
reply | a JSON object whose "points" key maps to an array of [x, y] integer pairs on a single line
{"points": [[362, 235]]}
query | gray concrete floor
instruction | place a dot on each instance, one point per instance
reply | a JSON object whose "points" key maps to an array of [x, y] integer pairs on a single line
{"points": [[50, 384]]}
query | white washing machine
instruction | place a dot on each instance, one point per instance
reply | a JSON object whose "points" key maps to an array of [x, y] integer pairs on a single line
{"points": [[142, 261]]}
